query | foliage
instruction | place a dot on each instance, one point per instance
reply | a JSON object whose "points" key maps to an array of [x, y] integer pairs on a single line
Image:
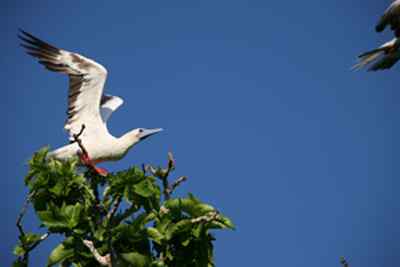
{"points": [[128, 218]]}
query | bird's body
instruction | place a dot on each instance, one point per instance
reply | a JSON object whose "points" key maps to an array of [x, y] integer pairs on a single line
{"points": [[109, 149], [388, 54], [88, 107]]}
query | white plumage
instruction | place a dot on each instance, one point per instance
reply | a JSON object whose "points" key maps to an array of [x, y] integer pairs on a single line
{"points": [[87, 105]]}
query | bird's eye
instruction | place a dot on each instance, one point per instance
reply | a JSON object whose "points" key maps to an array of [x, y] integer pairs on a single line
{"points": [[140, 130]]}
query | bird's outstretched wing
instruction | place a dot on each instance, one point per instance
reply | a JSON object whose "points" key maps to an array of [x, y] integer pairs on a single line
{"points": [[108, 105], [386, 62], [383, 57], [390, 17], [86, 83]]}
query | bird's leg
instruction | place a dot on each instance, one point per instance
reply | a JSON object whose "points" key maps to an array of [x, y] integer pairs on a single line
{"points": [[84, 155], [88, 162]]}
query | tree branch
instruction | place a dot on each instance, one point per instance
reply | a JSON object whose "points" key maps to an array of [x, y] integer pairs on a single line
{"points": [[103, 260], [163, 174], [177, 183], [211, 216], [22, 234], [114, 209], [22, 213], [42, 238], [79, 141]]}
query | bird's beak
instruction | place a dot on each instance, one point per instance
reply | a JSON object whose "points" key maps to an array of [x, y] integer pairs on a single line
{"points": [[149, 132]]}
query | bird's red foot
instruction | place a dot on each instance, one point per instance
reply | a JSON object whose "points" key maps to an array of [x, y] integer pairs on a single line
{"points": [[88, 162], [100, 171]]}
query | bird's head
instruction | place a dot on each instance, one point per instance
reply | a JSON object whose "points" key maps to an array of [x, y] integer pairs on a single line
{"points": [[143, 133], [135, 136], [131, 138]]}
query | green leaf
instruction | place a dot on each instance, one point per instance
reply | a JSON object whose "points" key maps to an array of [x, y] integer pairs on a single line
{"points": [[30, 238], [73, 213], [197, 230], [145, 188], [51, 219], [158, 263], [99, 234], [177, 228], [226, 222], [190, 205], [59, 254], [155, 235], [19, 263], [19, 251], [141, 220], [136, 259], [58, 189], [186, 242]]}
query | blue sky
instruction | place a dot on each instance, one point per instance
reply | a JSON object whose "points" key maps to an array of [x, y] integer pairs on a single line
{"points": [[259, 107]]}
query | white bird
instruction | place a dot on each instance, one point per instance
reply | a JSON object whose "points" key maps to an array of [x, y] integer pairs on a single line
{"points": [[383, 57], [390, 17], [87, 106]]}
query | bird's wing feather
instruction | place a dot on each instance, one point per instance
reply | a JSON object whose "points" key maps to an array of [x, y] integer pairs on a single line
{"points": [[386, 62], [108, 105], [376, 54], [367, 58], [86, 83], [391, 16]]}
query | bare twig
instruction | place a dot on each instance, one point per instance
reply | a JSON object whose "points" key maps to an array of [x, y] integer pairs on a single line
{"points": [[163, 174], [23, 211], [27, 248], [79, 141], [166, 189], [177, 183], [103, 260], [171, 163], [153, 171], [114, 209], [164, 177], [211, 216], [42, 238]]}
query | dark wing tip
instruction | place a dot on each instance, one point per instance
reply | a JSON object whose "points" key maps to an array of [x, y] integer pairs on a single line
{"points": [[25, 36], [28, 38]]}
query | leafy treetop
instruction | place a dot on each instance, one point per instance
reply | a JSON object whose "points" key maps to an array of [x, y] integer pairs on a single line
{"points": [[128, 218]]}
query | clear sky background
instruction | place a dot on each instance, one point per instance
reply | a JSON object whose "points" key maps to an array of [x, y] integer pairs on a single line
{"points": [[259, 107]]}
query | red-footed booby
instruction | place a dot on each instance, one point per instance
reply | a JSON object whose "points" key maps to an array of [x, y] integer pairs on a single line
{"points": [[87, 105], [385, 56]]}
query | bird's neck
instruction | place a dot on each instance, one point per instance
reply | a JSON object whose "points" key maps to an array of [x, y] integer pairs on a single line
{"points": [[129, 139]]}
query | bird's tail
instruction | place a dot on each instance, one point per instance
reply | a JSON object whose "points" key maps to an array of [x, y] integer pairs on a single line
{"points": [[65, 152]]}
